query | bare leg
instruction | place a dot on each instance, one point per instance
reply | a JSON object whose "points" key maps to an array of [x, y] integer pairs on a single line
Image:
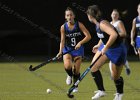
{"points": [[139, 52], [68, 68], [96, 74]]}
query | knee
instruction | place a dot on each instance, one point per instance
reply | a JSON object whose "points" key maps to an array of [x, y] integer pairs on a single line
{"points": [[94, 69], [67, 66], [93, 74], [120, 80], [77, 59], [115, 77]]}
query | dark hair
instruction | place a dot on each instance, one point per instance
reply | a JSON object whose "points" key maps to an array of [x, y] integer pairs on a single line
{"points": [[69, 9], [94, 11], [122, 14]]}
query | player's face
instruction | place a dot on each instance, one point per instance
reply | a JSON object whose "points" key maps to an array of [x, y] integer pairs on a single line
{"points": [[138, 9], [69, 16], [90, 18], [115, 15]]}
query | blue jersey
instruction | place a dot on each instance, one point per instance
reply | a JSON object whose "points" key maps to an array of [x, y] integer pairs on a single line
{"points": [[104, 37], [117, 52], [72, 37], [137, 26], [137, 32]]}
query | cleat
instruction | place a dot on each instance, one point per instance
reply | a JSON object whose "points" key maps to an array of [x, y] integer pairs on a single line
{"points": [[69, 80], [118, 96], [70, 95], [98, 94], [127, 71], [75, 90]]}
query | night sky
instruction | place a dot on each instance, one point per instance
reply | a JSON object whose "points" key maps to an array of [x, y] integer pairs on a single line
{"points": [[31, 27]]}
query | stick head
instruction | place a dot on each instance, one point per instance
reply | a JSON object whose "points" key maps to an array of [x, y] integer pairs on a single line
{"points": [[31, 68], [70, 91], [70, 95]]}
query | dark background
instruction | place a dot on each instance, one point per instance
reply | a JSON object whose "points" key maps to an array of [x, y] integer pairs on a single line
{"points": [[30, 28]]}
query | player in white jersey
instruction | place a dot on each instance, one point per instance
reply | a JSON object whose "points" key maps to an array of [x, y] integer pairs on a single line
{"points": [[118, 24]]}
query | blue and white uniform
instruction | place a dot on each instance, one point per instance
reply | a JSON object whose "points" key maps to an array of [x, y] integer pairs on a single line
{"points": [[116, 25], [118, 30], [72, 37], [117, 52], [137, 32]]}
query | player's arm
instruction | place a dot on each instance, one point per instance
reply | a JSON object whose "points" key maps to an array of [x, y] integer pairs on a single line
{"points": [[86, 33], [133, 32], [108, 28], [62, 41], [95, 48], [99, 43], [122, 32]]}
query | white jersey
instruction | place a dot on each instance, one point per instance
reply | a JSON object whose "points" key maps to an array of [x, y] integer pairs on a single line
{"points": [[116, 25]]}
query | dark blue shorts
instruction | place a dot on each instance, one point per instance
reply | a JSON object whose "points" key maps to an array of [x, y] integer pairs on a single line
{"points": [[118, 54], [79, 52], [138, 42]]}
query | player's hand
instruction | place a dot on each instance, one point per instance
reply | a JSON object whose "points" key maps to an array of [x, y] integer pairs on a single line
{"points": [[95, 48], [59, 55], [132, 43], [104, 50], [78, 46]]}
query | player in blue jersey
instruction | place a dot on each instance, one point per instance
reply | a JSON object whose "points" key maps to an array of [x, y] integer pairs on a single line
{"points": [[73, 36], [113, 50], [118, 24], [135, 31]]}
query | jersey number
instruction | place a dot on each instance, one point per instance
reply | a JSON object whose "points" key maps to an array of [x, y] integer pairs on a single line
{"points": [[73, 41]]}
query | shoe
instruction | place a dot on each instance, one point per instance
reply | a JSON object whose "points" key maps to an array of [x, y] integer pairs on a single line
{"points": [[127, 71], [118, 96], [75, 90], [69, 80], [98, 94]]}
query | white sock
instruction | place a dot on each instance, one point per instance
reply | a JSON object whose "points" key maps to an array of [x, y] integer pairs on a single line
{"points": [[127, 65]]}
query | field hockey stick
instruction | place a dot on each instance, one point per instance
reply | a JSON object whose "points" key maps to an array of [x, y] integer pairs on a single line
{"points": [[80, 78], [135, 50], [31, 68]]}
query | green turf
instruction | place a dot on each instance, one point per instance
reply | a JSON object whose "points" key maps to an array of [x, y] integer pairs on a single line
{"points": [[17, 83]]}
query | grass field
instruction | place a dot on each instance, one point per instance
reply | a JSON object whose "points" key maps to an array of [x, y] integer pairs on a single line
{"points": [[17, 83]]}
